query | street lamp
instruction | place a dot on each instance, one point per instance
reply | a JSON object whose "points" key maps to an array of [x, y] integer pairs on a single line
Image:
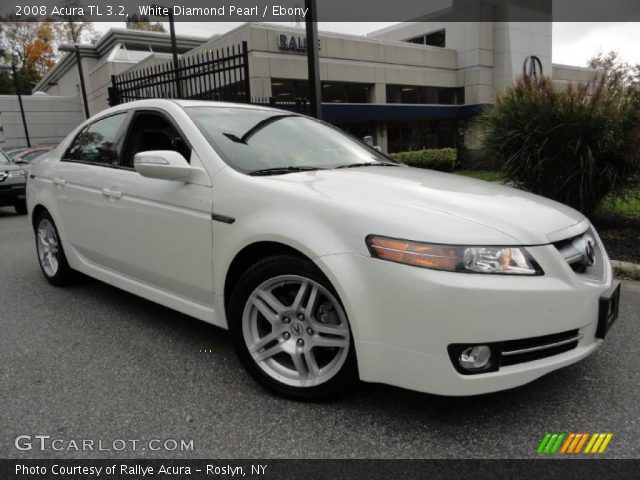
{"points": [[75, 48], [174, 45], [313, 61], [12, 68]]}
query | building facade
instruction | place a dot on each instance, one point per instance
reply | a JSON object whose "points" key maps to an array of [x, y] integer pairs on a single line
{"points": [[411, 86]]}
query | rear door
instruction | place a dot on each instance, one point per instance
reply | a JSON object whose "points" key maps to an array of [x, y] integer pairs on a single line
{"points": [[85, 168]]}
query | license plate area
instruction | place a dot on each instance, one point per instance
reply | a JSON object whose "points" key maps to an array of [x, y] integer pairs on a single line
{"points": [[609, 307]]}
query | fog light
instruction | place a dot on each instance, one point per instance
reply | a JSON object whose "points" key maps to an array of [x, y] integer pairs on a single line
{"points": [[474, 358]]}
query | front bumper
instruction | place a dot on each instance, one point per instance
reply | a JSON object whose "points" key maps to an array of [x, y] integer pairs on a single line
{"points": [[403, 318]]}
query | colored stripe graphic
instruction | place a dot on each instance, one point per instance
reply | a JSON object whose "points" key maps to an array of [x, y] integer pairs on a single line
{"points": [[543, 443], [573, 443]]}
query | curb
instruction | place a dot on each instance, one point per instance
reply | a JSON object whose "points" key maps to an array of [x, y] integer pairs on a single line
{"points": [[626, 269]]}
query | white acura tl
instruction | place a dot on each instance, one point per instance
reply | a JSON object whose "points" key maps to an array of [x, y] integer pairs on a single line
{"points": [[327, 261]]}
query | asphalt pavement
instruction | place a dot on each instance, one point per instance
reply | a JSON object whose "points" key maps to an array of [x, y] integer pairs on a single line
{"points": [[91, 362]]}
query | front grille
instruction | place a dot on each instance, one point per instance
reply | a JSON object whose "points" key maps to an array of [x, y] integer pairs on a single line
{"points": [[529, 349], [575, 252]]}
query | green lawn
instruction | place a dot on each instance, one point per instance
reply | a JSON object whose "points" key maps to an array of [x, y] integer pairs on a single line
{"points": [[629, 207], [488, 175]]}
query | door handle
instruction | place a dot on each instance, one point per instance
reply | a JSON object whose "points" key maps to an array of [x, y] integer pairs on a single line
{"points": [[111, 193], [60, 182]]}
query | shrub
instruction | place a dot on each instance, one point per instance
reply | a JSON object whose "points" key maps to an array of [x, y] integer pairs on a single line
{"points": [[576, 145], [442, 159]]}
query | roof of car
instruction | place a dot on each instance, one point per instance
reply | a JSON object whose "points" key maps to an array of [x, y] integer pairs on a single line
{"points": [[188, 103]]}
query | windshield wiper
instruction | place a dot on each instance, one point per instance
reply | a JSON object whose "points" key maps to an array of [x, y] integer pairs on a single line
{"points": [[367, 164], [281, 170]]}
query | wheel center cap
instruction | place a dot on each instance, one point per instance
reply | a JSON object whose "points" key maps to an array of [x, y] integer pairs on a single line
{"points": [[297, 329]]}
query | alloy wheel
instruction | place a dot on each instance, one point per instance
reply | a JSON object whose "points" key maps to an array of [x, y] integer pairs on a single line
{"points": [[48, 248], [296, 331]]}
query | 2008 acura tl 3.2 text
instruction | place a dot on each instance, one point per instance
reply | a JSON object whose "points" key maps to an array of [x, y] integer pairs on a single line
{"points": [[326, 260]]}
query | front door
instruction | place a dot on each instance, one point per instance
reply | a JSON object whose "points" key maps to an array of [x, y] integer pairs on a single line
{"points": [[163, 227]]}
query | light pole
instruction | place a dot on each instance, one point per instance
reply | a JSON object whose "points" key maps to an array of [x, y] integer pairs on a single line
{"points": [[313, 62], [174, 46], [16, 83], [75, 48]]}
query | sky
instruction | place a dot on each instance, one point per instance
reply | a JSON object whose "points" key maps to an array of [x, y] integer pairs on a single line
{"points": [[573, 43]]}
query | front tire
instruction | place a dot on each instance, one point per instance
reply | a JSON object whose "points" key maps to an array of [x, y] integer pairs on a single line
{"points": [[290, 330], [51, 257]]}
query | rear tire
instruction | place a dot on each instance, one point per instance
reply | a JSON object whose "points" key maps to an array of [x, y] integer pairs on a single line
{"points": [[290, 330], [21, 208], [51, 257]]}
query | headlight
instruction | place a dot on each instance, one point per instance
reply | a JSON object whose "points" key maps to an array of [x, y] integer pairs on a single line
{"points": [[17, 173], [454, 258]]}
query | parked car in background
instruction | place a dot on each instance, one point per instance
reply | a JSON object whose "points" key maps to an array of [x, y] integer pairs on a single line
{"points": [[27, 155], [12, 152], [327, 260], [13, 179]]}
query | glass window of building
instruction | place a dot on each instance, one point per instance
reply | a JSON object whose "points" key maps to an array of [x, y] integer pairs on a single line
{"points": [[419, 135], [333, 92], [433, 39], [425, 95]]}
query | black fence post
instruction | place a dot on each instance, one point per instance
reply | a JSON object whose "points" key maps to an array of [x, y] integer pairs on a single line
{"points": [[247, 80], [114, 95], [19, 94]]}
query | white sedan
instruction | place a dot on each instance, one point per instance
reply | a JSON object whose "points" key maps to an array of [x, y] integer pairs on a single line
{"points": [[327, 261]]}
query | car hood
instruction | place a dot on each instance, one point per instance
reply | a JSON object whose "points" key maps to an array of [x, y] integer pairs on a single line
{"points": [[439, 206]]}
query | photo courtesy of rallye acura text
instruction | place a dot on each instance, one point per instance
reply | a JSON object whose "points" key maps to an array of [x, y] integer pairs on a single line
{"points": [[327, 261]]}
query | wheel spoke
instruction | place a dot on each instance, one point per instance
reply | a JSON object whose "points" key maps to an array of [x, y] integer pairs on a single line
{"points": [[268, 353], [297, 302], [312, 364], [264, 309], [263, 342], [311, 301], [42, 238], [328, 341], [299, 364], [329, 328], [273, 303]]}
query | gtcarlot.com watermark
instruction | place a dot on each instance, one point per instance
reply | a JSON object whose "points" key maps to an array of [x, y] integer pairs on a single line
{"points": [[44, 443]]}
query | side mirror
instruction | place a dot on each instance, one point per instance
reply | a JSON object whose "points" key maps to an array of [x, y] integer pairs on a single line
{"points": [[162, 164]]}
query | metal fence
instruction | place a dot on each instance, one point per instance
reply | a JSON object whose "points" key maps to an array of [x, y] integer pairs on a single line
{"points": [[221, 74]]}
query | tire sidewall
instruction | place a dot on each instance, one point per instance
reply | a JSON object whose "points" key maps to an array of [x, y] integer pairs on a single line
{"points": [[264, 270], [64, 273]]}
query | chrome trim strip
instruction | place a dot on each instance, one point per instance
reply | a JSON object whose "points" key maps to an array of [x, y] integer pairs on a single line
{"points": [[542, 347]]}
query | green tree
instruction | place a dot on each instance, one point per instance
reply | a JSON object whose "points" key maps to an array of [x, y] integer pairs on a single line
{"points": [[136, 22], [616, 69], [75, 28], [575, 145], [28, 46]]}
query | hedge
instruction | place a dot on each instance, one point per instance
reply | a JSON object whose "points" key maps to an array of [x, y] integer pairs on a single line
{"points": [[442, 159]]}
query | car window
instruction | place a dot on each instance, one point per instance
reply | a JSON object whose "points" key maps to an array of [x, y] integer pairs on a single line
{"points": [[97, 143], [251, 140], [4, 160], [153, 131]]}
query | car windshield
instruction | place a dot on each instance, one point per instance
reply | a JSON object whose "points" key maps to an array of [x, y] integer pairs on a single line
{"points": [[258, 140], [4, 160]]}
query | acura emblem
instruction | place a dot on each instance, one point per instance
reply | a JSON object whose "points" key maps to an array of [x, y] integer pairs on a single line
{"points": [[589, 252], [297, 329]]}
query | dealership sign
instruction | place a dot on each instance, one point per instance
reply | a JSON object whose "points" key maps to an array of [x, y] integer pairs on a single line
{"points": [[292, 42]]}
